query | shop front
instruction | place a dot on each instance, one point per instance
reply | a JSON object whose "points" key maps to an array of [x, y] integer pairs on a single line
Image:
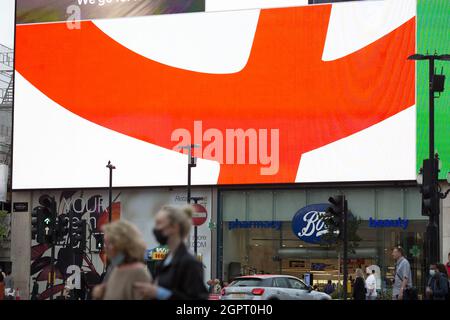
{"points": [[278, 232]]}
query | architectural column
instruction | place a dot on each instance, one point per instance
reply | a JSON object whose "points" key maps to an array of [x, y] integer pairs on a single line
{"points": [[21, 245]]}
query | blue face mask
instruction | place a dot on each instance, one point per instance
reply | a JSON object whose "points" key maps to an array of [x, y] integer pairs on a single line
{"points": [[432, 272]]}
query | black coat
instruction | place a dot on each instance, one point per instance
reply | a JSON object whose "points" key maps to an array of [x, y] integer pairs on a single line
{"points": [[359, 289], [183, 276]]}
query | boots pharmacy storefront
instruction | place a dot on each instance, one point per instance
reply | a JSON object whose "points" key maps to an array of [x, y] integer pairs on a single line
{"points": [[276, 232]]}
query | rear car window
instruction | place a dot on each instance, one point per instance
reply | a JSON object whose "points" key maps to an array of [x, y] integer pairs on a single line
{"points": [[280, 283], [252, 282]]}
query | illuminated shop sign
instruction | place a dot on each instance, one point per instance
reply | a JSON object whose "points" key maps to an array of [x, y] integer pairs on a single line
{"points": [[307, 224], [388, 223], [236, 224]]}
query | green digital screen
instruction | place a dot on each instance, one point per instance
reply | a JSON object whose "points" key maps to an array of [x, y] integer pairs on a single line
{"points": [[433, 35]]}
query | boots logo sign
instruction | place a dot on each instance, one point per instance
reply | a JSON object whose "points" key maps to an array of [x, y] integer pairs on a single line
{"points": [[307, 224]]}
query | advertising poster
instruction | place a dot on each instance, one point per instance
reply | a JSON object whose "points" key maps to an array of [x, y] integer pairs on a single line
{"points": [[137, 207]]}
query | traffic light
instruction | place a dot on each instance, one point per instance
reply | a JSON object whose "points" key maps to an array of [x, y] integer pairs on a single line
{"points": [[99, 240], [334, 215], [78, 236], [429, 190], [48, 225], [62, 227], [37, 228]]}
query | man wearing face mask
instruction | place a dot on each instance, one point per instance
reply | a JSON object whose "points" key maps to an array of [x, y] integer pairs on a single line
{"points": [[437, 287], [180, 275]]}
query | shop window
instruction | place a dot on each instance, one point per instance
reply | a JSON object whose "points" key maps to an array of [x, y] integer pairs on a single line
{"points": [[234, 205], [275, 249], [288, 202], [361, 202], [389, 203], [319, 195], [260, 205], [413, 203]]}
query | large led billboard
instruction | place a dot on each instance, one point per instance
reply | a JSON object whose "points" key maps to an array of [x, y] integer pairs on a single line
{"points": [[39, 11], [319, 93]]}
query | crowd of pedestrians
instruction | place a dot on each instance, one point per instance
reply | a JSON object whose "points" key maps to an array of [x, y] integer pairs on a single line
{"points": [[179, 276]]}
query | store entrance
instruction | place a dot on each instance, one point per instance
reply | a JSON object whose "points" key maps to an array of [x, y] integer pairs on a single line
{"points": [[320, 271]]}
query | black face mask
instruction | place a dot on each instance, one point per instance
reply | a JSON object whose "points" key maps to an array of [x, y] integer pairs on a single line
{"points": [[160, 237]]}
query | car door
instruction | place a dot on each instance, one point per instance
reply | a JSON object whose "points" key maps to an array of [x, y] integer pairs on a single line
{"points": [[281, 288], [299, 290]]}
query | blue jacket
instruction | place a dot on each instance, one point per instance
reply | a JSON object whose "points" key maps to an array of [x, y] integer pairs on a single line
{"points": [[439, 286]]}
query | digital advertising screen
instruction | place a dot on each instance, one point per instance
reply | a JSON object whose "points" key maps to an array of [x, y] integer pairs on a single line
{"points": [[308, 93]]}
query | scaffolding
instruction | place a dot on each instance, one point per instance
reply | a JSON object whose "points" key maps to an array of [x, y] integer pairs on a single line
{"points": [[6, 102]]}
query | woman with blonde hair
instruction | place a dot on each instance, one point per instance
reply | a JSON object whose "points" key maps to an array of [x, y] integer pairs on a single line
{"points": [[180, 275], [125, 250], [359, 288]]}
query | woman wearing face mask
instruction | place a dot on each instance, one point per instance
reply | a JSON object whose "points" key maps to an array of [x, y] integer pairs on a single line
{"points": [[180, 275], [125, 250], [437, 287]]}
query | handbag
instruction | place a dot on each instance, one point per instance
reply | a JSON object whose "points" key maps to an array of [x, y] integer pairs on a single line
{"points": [[409, 293]]}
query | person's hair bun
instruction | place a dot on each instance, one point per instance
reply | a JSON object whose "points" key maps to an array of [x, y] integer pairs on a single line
{"points": [[189, 211]]}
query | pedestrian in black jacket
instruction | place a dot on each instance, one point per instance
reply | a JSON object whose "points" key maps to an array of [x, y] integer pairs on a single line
{"points": [[437, 286], [180, 275], [359, 288]]}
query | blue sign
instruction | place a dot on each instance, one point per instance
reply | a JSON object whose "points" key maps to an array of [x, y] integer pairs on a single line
{"points": [[388, 223], [307, 224], [254, 224]]}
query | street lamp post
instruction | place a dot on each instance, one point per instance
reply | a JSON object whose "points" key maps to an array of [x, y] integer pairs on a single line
{"points": [[431, 169], [196, 200], [192, 163], [111, 168]]}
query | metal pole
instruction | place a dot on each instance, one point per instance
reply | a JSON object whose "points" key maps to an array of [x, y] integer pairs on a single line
{"points": [[111, 168], [52, 270], [188, 199], [431, 111], [53, 240], [339, 270], [72, 249], [195, 240], [110, 195], [433, 224], [345, 236], [189, 195]]}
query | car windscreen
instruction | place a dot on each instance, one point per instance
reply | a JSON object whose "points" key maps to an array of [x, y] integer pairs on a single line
{"points": [[247, 282]]}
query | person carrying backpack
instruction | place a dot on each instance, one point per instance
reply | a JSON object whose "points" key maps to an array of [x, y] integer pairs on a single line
{"points": [[437, 287]]}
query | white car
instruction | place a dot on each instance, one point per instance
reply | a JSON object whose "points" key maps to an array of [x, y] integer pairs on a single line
{"points": [[270, 287]]}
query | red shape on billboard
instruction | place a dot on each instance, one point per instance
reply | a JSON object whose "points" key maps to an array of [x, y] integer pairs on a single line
{"points": [[285, 85]]}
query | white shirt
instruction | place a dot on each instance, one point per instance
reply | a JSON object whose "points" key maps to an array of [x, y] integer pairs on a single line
{"points": [[371, 285]]}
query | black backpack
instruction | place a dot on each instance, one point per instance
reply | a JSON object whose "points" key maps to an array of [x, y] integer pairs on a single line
{"points": [[410, 294]]}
